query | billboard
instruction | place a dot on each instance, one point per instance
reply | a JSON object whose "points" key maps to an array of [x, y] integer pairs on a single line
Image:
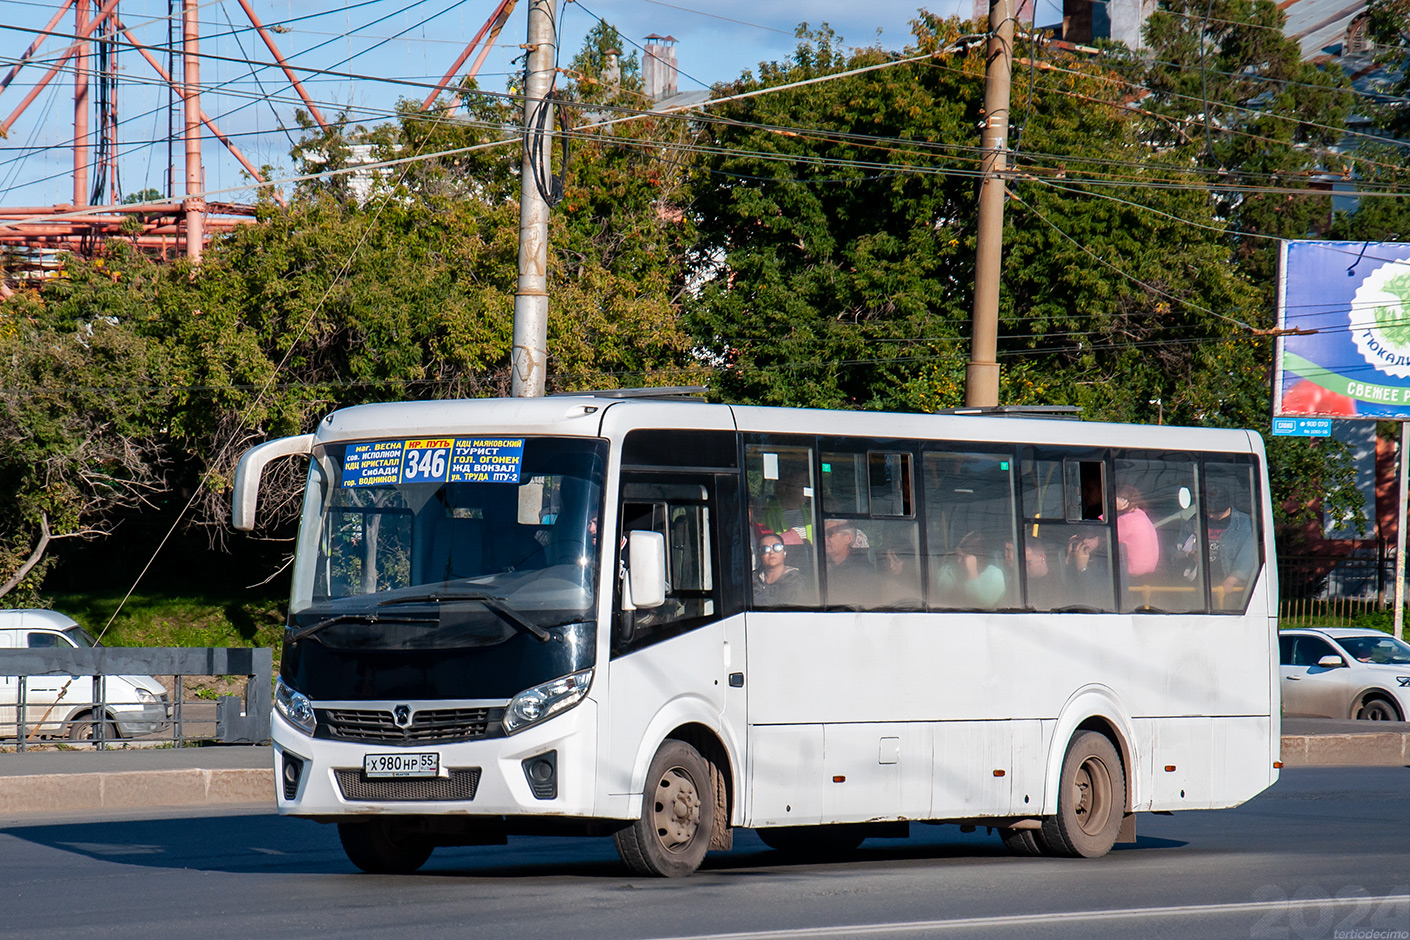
{"points": [[1343, 346]]}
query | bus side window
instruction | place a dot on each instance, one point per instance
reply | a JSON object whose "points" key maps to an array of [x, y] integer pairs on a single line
{"points": [[782, 502], [1157, 523], [1234, 546], [680, 512], [1066, 536], [970, 531]]}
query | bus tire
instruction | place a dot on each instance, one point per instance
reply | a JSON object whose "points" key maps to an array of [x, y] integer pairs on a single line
{"points": [[677, 815], [379, 849], [1026, 842], [813, 840], [1091, 799]]}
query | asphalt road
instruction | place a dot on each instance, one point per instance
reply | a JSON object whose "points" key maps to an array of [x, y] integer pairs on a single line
{"points": [[1324, 855]]}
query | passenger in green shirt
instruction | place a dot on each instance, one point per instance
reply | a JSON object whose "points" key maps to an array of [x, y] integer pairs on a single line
{"points": [[972, 580]]}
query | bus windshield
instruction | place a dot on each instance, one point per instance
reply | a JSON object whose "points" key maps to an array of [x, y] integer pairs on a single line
{"points": [[447, 542]]}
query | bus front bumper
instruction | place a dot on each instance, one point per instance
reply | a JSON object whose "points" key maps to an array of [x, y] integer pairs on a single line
{"points": [[547, 769]]}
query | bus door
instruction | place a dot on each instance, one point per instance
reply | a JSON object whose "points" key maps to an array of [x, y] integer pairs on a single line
{"points": [[678, 659]]}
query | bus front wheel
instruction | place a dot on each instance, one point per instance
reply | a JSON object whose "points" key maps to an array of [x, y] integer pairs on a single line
{"points": [[378, 848], [677, 815], [1091, 799]]}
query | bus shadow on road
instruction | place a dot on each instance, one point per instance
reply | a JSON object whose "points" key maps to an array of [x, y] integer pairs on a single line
{"points": [[266, 843]]}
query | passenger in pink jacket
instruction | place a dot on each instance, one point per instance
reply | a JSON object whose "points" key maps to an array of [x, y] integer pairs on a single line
{"points": [[1140, 546]]}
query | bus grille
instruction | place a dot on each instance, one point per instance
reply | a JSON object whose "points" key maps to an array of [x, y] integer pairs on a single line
{"points": [[377, 727], [460, 785]]}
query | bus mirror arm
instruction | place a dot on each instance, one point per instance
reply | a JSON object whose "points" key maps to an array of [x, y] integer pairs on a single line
{"points": [[247, 474], [646, 570]]}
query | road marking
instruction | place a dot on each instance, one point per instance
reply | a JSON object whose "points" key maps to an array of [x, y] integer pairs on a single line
{"points": [[1047, 917]]}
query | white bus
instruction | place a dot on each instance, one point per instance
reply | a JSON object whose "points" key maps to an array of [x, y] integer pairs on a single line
{"points": [[663, 619]]}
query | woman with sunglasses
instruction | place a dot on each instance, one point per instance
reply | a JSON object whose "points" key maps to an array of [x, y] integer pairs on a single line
{"points": [[775, 583]]}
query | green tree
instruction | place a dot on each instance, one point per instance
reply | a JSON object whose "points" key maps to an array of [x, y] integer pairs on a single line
{"points": [[81, 400]]}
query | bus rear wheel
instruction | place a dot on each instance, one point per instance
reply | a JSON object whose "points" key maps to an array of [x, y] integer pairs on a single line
{"points": [[677, 815], [1091, 799], [379, 848], [1024, 841]]}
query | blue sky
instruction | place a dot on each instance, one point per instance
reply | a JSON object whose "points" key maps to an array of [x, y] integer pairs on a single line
{"points": [[384, 40]]}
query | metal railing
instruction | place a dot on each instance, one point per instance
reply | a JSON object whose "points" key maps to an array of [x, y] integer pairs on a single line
{"points": [[1332, 590], [236, 719]]}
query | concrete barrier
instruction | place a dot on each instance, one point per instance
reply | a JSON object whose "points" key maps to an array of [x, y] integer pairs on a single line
{"points": [[72, 792]]}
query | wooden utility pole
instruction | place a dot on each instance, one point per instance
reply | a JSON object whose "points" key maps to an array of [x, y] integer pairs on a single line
{"points": [[528, 361], [982, 373]]}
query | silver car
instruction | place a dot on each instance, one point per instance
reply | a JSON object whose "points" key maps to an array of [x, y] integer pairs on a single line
{"points": [[1344, 673]]}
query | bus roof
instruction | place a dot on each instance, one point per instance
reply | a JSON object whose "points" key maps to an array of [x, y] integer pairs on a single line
{"points": [[569, 415]]}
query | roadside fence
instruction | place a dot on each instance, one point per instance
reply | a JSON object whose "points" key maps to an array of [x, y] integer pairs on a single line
{"points": [[1334, 590], [87, 696]]}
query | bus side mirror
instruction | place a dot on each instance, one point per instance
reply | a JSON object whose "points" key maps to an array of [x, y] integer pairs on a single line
{"points": [[1330, 661], [246, 491], [646, 568]]}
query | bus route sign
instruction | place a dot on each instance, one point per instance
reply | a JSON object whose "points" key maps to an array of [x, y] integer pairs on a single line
{"points": [[433, 460]]}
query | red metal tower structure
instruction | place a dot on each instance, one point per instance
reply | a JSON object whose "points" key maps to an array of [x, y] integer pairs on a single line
{"points": [[174, 226]]}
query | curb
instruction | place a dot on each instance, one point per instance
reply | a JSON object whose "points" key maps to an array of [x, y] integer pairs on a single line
{"points": [[57, 793], [1368, 749]]}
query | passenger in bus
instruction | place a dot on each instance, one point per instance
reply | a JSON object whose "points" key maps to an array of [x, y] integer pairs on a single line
{"points": [[898, 574], [1045, 588], [1140, 545], [788, 512], [972, 578], [849, 575], [776, 584], [1233, 556]]}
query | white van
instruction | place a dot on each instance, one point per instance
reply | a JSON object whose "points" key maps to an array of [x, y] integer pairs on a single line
{"points": [[62, 706]]}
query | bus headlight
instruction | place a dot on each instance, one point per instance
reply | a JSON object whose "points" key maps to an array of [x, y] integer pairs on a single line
{"points": [[544, 701], [295, 707]]}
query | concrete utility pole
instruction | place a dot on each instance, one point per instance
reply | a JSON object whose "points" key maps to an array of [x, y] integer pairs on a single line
{"points": [[528, 361], [982, 373]]}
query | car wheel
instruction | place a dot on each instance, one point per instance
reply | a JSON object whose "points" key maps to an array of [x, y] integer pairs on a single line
{"points": [[813, 840], [378, 848], [84, 728], [1091, 799], [1376, 709], [672, 835], [1028, 842]]}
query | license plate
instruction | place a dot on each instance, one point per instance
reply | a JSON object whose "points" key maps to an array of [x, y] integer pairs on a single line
{"points": [[423, 764]]}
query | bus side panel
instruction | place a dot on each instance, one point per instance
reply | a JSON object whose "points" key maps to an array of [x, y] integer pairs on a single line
{"points": [[1209, 763], [785, 775]]}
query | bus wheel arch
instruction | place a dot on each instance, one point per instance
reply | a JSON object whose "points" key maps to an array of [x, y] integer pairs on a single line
{"points": [[1096, 709]]}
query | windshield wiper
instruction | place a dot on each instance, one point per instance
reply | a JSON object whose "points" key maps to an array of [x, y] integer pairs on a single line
{"points": [[296, 635], [492, 602]]}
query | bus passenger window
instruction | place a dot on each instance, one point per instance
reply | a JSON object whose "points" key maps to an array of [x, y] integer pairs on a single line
{"points": [[971, 531], [1157, 525], [781, 504], [1233, 550], [1068, 566]]}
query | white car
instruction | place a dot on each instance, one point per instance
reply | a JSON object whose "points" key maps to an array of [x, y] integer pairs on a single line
{"points": [[63, 705], [1344, 673]]}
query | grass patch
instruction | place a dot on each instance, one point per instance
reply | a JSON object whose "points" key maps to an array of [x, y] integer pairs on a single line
{"points": [[189, 620]]}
